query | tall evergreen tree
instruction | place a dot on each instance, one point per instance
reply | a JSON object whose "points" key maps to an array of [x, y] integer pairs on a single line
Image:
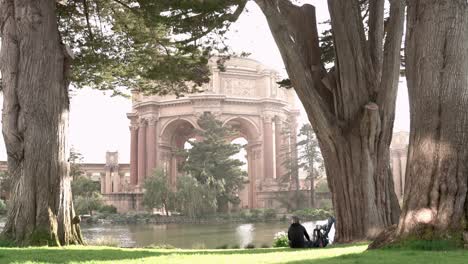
{"points": [[309, 157], [210, 161], [293, 199], [75, 159]]}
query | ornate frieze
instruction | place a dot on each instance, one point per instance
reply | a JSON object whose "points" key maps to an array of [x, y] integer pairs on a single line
{"points": [[238, 87]]}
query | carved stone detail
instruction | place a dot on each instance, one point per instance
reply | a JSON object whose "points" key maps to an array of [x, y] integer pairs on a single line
{"points": [[239, 87]]}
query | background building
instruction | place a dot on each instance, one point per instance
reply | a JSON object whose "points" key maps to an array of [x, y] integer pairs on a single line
{"points": [[245, 96]]}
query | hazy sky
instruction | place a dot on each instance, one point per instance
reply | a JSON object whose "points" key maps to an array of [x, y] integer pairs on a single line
{"points": [[98, 122]]}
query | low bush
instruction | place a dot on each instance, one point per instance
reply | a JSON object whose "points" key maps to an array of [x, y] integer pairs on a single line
{"points": [[199, 245], [281, 240], [108, 209], [160, 246], [105, 242], [250, 246], [225, 246], [257, 215], [269, 214], [235, 246], [313, 214]]}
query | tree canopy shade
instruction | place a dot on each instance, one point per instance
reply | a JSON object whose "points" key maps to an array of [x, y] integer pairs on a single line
{"points": [[351, 106]]}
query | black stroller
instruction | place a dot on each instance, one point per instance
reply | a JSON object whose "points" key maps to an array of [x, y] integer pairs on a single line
{"points": [[320, 235]]}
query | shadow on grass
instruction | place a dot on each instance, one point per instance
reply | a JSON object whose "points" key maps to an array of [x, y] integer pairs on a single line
{"points": [[394, 256], [67, 255]]}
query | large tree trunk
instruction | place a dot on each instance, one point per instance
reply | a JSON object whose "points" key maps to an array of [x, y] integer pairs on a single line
{"points": [[350, 108], [435, 201], [34, 66]]}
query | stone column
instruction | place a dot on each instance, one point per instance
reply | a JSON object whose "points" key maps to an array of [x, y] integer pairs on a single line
{"points": [[258, 170], [116, 180], [151, 147], [133, 155], [280, 171], [250, 174], [103, 183], [268, 148], [141, 153], [108, 181]]}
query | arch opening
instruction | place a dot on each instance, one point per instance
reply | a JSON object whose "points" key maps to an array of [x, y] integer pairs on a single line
{"points": [[175, 136]]}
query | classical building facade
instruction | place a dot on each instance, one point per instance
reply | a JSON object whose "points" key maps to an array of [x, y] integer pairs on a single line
{"points": [[244, 96]]}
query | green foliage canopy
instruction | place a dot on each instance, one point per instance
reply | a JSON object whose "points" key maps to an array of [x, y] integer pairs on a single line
{"points": [[309, 156], [118, 44], [210, 160]]}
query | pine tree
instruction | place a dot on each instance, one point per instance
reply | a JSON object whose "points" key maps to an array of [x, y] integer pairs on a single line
{"points": [[309, 157], [293, 199], [210, 161]]}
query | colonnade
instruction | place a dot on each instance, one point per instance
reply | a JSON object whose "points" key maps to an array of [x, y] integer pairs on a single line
{"points": [[150, 149]]}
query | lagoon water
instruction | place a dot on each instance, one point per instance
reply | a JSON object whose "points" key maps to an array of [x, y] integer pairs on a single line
{"points": [[191, 235]]}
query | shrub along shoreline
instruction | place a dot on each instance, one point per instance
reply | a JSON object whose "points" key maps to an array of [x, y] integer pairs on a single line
{"points": [[255, 215]]}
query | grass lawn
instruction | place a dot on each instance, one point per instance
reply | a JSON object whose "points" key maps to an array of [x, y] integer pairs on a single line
{"points": [[350, 254]]}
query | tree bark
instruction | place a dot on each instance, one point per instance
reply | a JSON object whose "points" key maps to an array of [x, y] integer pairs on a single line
{"points": [[435, 201], [34, 66], [351, 108]]}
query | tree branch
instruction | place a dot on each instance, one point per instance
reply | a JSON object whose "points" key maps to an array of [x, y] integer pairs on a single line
{"points": [[124, 5], [295, 32], [225, 17], [88, 24], [376, 34], [13, 123], [354, 72], [386, 95]]}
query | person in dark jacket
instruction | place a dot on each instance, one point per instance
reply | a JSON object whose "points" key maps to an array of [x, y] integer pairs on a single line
{"points": [[296, 234]]}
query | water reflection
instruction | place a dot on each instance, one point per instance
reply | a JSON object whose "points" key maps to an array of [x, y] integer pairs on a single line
{"points": [[245, 234]]}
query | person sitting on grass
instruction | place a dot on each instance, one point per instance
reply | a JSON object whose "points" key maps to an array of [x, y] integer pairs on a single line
{"points": [[296, 234]]}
